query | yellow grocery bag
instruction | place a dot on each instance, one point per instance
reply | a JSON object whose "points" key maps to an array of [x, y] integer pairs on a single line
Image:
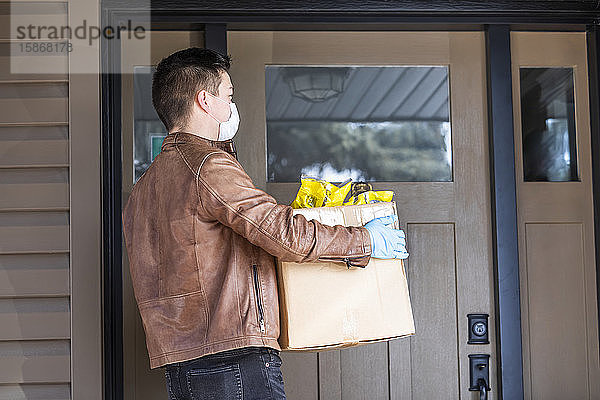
{"points": [[316, 192]]}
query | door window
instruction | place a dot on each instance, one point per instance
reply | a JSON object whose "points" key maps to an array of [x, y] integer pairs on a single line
{"points": [[548, 124], [148, 131], [369, 123]]}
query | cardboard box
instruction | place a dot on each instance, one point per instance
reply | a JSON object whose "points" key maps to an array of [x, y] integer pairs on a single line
{"points": [[325, 305]]}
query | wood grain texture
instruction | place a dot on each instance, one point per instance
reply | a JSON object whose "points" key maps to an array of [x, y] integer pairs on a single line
{"points": [[447, 223], [300, 378], [557, 262], [400, 376], [474, 263], [330, 379], [364, 371], [557, 322], [432, 285]]}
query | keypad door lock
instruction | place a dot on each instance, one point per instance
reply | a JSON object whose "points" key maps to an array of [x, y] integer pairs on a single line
{"points": [[478, 329]]}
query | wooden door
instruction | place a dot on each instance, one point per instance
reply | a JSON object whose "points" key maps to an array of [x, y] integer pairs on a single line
{"points": [[447, 222], [139, 121], [555, 216]]}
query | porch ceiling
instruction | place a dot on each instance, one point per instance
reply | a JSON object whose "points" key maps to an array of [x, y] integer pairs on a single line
{"points": [[370, 94]]}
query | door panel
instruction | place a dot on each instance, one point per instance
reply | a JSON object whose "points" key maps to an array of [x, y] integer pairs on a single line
{"points": [[556, 281], [439, 333], [447, 223], [555, 227]]}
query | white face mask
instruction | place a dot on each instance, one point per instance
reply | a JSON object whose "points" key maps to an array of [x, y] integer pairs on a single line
{"points": [[227, 129]]}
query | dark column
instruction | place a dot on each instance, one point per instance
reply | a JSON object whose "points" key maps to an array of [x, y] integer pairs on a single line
{"points": [[504, 213], [112, 290], [593, 45], [215, 37]]}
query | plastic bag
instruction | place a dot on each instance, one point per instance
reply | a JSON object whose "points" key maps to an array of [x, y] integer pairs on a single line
{"points": [[338, 194], [315, 192], [311, 194], [370, 196]]}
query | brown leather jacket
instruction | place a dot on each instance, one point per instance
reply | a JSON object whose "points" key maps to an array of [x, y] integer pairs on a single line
{"points": [[201, 241]]}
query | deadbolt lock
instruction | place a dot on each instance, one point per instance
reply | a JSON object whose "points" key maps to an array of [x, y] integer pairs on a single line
{"points": [[478, 329]]}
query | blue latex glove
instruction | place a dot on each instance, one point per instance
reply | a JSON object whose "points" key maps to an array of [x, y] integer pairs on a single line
{"points": [[386, 242]]}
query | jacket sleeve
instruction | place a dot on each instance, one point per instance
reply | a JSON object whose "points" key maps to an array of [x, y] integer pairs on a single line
{"points": [[228, 195]]}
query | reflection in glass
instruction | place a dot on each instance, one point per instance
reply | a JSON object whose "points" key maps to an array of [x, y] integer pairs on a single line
{"points": [[384, 123], [548, 124], [148, 130]]}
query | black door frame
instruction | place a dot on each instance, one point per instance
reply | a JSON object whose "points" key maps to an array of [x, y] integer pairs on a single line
{"points": [[496, 18]]}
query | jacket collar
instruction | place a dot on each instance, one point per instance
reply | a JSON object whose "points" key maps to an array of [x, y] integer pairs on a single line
{"points": [[186, 137]]}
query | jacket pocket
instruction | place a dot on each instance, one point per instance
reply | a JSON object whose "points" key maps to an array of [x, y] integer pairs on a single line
{"points": [[261, 318]]}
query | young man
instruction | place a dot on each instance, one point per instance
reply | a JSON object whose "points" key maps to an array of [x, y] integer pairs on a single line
{"points": [[201, 241]]}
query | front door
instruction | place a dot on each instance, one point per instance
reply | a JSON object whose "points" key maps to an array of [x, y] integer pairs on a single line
{"points": [[406, 111]]}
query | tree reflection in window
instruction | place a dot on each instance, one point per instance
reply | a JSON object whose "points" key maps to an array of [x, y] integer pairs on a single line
{"points": [[335, 151]]}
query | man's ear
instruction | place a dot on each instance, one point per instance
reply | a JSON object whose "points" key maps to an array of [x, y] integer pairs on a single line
{"points": [[200, 100]]}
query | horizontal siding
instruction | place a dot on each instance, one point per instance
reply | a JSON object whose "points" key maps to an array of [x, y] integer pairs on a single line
{"points": [[35, 309], [41, 188], [29, 275], [34, 145], [33, 102], [32, 391], [34, 318], [22, 14], [34, 232], [35, 361], [57, 64], [25, 13]]}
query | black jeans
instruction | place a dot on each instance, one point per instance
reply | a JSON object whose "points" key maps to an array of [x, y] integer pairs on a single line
{"points": [[249, 373]]}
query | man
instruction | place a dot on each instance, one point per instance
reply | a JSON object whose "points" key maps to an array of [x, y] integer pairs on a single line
{"points": [[201, 241]]}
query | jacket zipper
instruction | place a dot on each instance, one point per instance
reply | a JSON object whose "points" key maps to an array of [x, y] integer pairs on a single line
{"points": [[258, 301]]}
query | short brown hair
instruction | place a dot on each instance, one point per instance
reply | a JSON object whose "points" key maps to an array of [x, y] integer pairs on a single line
{"points": [[179, 77]]}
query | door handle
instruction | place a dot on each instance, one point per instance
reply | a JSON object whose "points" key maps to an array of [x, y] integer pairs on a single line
{"points": [[483, 389], [480, 374]]}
